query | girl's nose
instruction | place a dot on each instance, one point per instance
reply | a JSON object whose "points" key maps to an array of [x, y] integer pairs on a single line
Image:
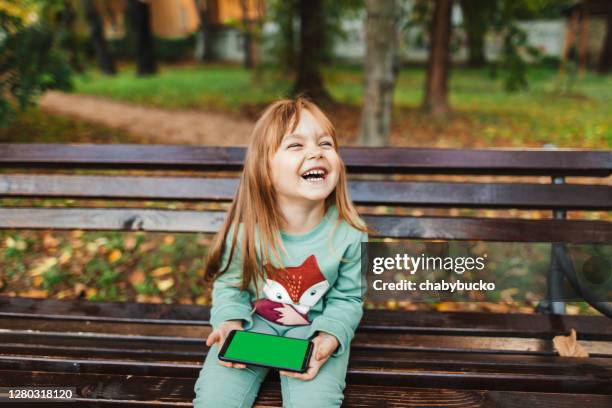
{"points": [[315, 153]]}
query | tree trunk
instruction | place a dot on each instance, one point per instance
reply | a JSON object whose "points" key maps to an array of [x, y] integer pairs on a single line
{"points": [[605, 58], [288, 30], [204, 45], [140, 14], [247, 32], [438, 66], [475, 24], [381, 69], [309, 79], [106, 63]]}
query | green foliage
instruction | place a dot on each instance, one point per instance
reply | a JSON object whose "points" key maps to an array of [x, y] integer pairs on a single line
{"points": [[30, 60], [284, 44], [517, 55]]}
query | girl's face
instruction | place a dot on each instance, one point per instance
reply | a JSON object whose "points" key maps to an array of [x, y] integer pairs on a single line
{"points": [[306, 167]]}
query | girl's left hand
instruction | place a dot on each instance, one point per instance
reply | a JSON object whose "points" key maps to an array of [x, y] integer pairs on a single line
{"points": [[324, 346]]}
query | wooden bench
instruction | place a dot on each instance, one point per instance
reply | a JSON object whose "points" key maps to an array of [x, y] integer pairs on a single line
{"points": [[149, 354]]}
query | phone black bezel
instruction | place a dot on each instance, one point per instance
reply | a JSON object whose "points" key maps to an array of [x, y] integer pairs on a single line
{"points": [[230, 337]]}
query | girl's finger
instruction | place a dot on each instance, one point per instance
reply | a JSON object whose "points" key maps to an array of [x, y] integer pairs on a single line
{"points": [[238, 365], [211, 339]]}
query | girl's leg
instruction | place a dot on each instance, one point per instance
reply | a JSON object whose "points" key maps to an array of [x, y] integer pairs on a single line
{"points": [[326, 390], [220, 386]]}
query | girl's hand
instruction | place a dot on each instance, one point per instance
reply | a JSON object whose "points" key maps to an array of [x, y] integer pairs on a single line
{"points": [[219, 335], [324, 346]]}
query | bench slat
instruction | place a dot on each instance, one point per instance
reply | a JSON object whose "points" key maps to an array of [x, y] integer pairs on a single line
{"points": [[513, 350], [94, 338], [590, 379], [168, 391], [446, 228], [366, 160], [422, 322], [465, 195]]}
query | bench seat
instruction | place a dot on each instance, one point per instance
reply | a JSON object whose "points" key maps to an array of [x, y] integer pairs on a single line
{"points": [[130, 354]]}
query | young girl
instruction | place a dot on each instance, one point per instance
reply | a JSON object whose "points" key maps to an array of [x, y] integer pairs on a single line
{"points": [[293, 268]]}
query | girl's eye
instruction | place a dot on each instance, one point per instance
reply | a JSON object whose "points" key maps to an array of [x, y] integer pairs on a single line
{"points": [[292, 145], [326, 144]]}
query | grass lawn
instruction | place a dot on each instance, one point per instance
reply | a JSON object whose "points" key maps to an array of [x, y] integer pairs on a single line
{"points": [[34, 126], [484, 115]]}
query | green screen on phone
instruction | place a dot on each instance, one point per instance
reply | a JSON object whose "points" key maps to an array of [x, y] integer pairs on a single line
{"points": [[260, 348]]}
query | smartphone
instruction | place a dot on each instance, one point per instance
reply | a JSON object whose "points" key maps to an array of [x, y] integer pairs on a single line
{"points": [[266, 350]]}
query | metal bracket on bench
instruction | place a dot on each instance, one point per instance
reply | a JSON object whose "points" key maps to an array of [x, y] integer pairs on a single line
{"points": [[559, 252]]}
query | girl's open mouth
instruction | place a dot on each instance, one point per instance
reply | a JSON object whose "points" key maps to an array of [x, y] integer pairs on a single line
{"points": [[315, 175]]}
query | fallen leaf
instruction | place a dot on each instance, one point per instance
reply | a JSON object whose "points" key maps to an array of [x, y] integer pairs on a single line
{"points": [[79, 289], [34, 293], [164, 270], [147, 246], [64, 294], [37, 281], [136, 277], [506, 294], [64, 257], [129, 243], [165, 284], [114, 256], [148, 299], [49, 241], [9, 242], [43, 266], [169, 239], [568, 346], [392, 304], [447, 307]]}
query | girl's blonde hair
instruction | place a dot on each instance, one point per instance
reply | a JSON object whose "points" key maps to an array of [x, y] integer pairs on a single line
{"points": [[255, 205]]}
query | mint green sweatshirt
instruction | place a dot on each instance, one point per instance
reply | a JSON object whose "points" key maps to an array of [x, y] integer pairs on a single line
{"points": [[320, 283]]}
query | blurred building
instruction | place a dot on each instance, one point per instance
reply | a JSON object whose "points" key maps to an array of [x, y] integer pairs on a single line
{"points": [[225, 21], [181, 18]]}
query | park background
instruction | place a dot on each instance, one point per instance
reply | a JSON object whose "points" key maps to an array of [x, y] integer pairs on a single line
{"points": [[499, 73]]}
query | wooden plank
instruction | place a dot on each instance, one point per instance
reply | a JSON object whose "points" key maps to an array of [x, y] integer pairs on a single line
{"points": [[596, 328], [66, 332], [118, 390], [445, 228], [187, 344], [364, 160], [372, 371], [464, 195]]}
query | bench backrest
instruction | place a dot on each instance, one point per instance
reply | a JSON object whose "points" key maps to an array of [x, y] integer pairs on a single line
{"points": [[387, 163]]}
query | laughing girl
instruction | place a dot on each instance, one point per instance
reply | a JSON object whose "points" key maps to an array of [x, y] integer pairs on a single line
{"points": [[293, 268]]}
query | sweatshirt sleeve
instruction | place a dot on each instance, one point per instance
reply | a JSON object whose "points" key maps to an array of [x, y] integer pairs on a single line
{"points": [[228, 301], [344, 301]]}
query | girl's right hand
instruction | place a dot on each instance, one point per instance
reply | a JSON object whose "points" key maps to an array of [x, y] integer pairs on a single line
{"points": [[219, 335]]}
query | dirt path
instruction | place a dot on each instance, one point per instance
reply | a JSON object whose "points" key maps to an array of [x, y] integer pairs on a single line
{"points": [[153, 125]]}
